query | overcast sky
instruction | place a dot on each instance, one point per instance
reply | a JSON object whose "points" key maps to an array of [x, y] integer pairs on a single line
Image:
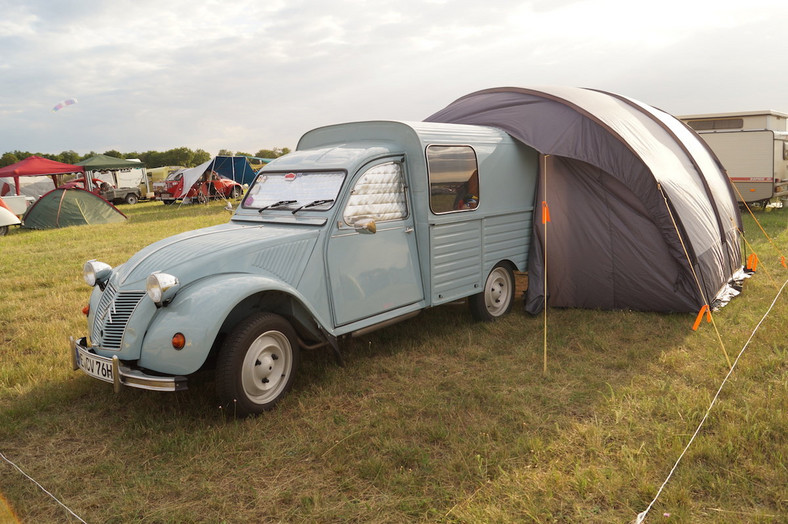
{"points": [[249, 75]]}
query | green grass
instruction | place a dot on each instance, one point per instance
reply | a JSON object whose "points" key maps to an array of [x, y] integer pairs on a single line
{"points": [[435, 419]]}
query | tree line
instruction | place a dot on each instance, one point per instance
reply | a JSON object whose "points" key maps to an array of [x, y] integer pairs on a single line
{"points": [[180, 156]]}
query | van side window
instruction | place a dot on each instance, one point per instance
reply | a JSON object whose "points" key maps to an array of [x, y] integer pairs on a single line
{"points": [[379, 194], [454, 178]]}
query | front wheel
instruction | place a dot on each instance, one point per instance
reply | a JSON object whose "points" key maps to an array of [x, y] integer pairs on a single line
{"points": [[131, 199], [498, 296], [256, 364]]}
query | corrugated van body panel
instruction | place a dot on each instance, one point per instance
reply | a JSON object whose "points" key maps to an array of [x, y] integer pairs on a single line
{"points": [[456, 263], [507, 237]]}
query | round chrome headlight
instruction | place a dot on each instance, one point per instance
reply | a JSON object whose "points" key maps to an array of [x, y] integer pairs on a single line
{"points": [[95, 272], [161, 287]]}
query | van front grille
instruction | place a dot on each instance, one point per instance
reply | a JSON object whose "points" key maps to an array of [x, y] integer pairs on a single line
{"points": [[112, 315]]}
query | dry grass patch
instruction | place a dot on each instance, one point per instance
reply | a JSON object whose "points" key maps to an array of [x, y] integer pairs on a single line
{"points": [[435, 419]]}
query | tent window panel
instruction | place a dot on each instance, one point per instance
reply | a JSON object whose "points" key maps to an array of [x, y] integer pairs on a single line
{"points": [[379, 194], [454, 178]]}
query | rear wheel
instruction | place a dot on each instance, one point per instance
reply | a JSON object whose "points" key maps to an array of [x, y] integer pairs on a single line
{"points": [[498, 296], [3, 231], [236, 192], [256, 364]]}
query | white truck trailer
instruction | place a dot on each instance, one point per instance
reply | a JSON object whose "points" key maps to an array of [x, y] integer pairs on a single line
{"points": [[753, 148]]}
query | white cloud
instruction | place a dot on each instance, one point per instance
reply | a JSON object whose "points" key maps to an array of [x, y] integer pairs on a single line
{"points": [[246, 75]]}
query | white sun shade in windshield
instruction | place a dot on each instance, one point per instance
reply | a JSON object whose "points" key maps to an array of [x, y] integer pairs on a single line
{"points": [[302, 188]]}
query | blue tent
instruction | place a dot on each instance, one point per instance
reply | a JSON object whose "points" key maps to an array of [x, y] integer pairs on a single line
{"points": [[236, 168]]}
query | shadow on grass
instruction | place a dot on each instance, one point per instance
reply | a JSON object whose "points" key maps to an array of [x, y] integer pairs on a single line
{"points": [[422, 412], [586, 348]]}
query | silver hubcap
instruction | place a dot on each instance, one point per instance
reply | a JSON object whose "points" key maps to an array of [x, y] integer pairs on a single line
{"points": [[267, 365], [498, 292]]}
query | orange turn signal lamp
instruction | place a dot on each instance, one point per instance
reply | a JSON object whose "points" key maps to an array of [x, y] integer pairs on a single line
{"points": [[178, 341]]}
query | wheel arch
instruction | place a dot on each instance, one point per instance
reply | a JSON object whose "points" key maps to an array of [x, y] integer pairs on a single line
{"points": [[223, 302], [505, 261], [282, 303]]}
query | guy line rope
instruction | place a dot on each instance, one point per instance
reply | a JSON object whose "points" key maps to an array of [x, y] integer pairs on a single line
{"points": [[642, 515], [40, 486]]}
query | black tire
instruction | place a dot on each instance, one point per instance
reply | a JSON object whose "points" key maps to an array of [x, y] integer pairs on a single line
{"points": [[168, 202], [236, 192], [256, 364], [132, 199], [498, 296], [3, 231]]}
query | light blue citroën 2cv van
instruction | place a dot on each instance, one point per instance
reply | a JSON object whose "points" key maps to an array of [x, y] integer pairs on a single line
{"points": [[364, 225]]}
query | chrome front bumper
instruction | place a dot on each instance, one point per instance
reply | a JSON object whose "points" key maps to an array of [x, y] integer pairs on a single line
{"points": [[111, 370]]}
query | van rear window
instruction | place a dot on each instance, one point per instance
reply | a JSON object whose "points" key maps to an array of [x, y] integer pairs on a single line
{"points": [[454, 178]]}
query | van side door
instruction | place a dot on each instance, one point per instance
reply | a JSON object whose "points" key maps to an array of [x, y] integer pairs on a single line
{"points": [[372, 258]]}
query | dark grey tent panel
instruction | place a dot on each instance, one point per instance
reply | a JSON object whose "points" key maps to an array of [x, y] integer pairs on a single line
{"points": [[642, 215], [610, 246]]}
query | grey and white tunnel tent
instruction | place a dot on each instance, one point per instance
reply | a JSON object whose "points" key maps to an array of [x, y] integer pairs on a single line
{"points": [[642, 215]]}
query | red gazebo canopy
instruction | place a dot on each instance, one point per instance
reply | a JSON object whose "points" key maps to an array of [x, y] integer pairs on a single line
{"points": [[38, 166]]}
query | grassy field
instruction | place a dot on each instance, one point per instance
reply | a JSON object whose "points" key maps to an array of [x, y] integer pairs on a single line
{"points": [[436, 419]]}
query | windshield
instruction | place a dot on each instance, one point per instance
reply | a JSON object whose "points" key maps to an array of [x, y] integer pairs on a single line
{"points": [[292, 190]]}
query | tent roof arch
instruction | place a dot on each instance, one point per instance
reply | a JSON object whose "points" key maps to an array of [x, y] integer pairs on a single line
{"points": [[596, 127], [678, 181]]}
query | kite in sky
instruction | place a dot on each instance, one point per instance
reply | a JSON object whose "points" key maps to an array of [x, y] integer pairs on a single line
{"points": [[64, 103]]}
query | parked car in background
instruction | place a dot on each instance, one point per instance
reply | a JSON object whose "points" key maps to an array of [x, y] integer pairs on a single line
{"points": [[128, 195], [80, 183], [8, 217], [210, 186]]}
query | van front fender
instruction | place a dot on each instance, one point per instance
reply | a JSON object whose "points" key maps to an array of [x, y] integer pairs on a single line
{"points": [[198, 311]]}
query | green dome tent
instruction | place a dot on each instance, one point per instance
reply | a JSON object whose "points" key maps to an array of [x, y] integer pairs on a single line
{"points": [[70, 207]]}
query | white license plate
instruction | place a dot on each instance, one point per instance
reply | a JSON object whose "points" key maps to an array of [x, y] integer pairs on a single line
{"points": [[94, 365]]}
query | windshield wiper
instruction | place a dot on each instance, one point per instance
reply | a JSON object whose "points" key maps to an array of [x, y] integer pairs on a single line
{"points": [[313, 204], [277, 204]]}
